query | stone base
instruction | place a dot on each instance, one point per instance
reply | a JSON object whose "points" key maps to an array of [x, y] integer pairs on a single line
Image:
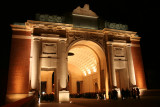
{"points": [[118, 92], [15, 97], [63, 96]]}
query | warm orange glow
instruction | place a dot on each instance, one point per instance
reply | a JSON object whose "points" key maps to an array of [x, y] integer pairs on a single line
{"points": [[138, 65], [84, 66], [47, 76], [140, 82], [94, 69], [84, 58], [142, 91], [85, 74], [19, 81], [89, 71]]}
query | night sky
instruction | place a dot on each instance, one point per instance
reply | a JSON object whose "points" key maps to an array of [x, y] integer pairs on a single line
{"points": [[142, 17]]}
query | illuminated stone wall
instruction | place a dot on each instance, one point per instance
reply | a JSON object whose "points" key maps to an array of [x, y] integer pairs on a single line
{"points": [[18, 78], [89, 83], [74, 76], [138, 65], [98, 55]]}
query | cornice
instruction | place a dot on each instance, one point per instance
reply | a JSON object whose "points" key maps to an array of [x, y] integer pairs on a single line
{"points": [[39, 24], [19, 28], [86, 30], [21, 37], [135, 38], [50, 29], [116, 32]]}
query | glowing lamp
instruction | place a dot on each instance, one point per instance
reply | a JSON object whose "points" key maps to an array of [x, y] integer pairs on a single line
{"points": [[89, 71], [85, 74], [43, 93], [94, 69]]}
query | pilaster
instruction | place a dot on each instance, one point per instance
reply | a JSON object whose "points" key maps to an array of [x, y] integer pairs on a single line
{"points": [[112, 72], [131, 69], [138, 65], [35, 74], [62, 71]]}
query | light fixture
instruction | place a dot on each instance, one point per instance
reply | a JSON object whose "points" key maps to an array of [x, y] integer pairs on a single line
{"points": [[85, 74], [43, 93], [89, 71], [94, 69]]}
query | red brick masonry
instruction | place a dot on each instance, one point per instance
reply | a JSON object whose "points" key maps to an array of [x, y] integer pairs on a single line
{"points": [[138, 66], [18, 77]]}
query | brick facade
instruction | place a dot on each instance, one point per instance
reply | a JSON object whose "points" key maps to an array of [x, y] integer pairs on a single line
{"points": [[138, 66], [18, 77]]}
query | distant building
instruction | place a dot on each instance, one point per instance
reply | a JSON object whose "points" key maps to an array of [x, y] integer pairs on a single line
{"points": [[84, 56]]}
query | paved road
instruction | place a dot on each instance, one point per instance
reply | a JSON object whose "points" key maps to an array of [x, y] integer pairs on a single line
{"points": [[81, 102]]}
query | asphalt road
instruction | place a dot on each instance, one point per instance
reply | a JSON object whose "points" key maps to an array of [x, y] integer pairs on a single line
{"points": [[147, 101]]}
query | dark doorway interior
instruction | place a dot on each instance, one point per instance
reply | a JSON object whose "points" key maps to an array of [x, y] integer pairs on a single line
{"points": [[43, 86]]}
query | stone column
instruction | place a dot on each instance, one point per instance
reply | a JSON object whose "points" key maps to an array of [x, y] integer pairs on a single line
{"points": [[112, 68], [35, 73], [131, 71], [62, 71]]}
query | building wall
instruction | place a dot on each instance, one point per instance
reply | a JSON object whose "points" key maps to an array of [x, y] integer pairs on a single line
{"points": [[89, 83], [74, 76], [18, 77], [138, 65]]}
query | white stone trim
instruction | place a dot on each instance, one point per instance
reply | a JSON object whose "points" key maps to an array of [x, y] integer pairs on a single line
{"points": [[116, 43], [21, 37], [85, 16]]}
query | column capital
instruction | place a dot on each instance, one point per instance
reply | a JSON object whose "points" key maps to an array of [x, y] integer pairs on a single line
{"points": [[62, 39], [129, 44], [36, 38], [109, 43]]}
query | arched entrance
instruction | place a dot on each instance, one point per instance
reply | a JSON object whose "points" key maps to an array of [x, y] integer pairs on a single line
{"points": [[87, 69]]}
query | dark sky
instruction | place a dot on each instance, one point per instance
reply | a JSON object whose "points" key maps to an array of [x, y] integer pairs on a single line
{"points": [[142, 16]]}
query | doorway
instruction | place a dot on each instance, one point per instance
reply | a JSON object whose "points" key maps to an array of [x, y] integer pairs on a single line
{"points": [[122, 79]]}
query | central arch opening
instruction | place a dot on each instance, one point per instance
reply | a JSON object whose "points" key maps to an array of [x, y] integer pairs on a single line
{"points": [[87, 70]]}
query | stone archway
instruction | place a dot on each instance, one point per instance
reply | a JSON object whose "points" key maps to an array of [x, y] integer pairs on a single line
{"points": [[87, 64]]}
